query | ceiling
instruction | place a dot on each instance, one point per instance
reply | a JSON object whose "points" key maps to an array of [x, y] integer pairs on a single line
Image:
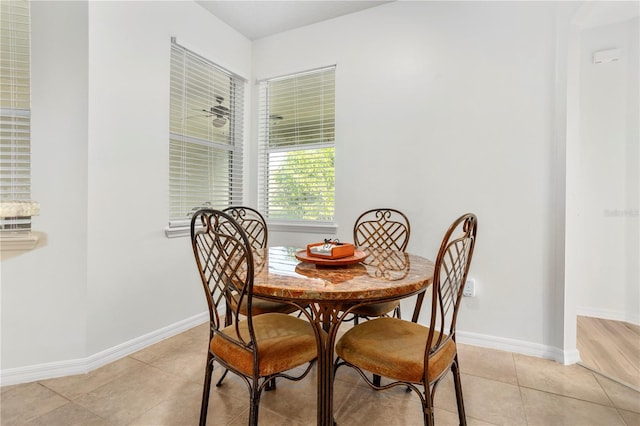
{"points": [[257, 19]]}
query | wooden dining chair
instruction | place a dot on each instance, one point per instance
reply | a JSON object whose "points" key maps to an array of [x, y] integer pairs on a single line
{"points": [[381, 229], [258, 348], [409, 353]]}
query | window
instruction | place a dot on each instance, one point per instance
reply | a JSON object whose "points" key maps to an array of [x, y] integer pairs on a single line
{"points": [[296, 148], [16, 207], [205, 142]]}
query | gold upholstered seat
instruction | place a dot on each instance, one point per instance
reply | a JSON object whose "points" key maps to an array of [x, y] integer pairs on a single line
{"points": [[258, 348], [284, 342], [411, 354]]}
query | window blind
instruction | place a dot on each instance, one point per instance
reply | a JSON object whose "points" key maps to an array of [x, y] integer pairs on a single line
{"points": [[296, 147], [15, 112], [206, 137]]}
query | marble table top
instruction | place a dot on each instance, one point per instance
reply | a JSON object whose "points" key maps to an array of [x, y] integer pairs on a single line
{"points": [[381, 275]]}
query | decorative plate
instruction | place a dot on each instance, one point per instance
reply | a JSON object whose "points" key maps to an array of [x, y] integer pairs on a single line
{"points": [[358, 256]]}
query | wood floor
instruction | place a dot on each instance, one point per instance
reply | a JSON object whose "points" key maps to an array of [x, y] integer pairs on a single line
{"points": [[610, 347]]}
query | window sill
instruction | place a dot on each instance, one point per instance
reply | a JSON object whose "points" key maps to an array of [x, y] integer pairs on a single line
{"points": [[177, 231], [17, 245], [327, 228], [311, 228], [20, 241], [15, 226]]}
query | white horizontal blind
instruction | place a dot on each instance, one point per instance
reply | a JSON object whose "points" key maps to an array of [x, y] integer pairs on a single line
{"points": [[15, 104], [205, 143], [296, 147]]}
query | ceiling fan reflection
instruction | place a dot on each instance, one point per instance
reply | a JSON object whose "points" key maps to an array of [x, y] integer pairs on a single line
{"points": [[219, 112]]}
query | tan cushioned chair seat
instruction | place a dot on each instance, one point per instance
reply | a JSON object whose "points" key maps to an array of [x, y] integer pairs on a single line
{"points": [[283, 342], [377, 309], [262, 306], [393, 348]]}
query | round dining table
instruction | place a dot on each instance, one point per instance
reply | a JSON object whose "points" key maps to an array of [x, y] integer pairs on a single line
{"points": [[326, 292]]}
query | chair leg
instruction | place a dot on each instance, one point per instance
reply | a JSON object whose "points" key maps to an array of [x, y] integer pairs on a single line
{"points": [[458, 387], [208, 372], [222, 378], [271, 385], [429, 418], [227, 316], [255, 404], [376, 380]]}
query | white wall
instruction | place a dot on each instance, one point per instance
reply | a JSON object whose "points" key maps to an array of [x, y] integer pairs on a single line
{"points": [[444, 108], [107, 274], [154, 282], [606, 258], [44, 306]]}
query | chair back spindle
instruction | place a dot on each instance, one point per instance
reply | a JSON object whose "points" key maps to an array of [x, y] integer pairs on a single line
{"points": [[451, 269], [253, 224], [382, 228], [225, 262]]}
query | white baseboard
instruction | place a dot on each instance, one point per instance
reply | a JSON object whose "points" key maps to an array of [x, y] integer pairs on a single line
{"points": [[565, 357], [52, 370], [608, 315], [81, 366]]}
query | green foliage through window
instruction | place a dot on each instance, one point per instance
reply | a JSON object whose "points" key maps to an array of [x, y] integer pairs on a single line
{"points": [[296, 141]]}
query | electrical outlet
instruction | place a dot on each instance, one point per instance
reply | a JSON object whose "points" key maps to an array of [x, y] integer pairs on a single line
{"points": [[469, 288]]}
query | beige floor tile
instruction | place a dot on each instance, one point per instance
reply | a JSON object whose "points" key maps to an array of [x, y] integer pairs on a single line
{"points": [[622, 396], [4, 389], [169, 345], [298, 399], [187, 360], [73, 387], [199, 332], [23, 403], [547, 409], [162, 385], [266, 417], [232, 385], [294, 400], [69, 414], [447, 418], [364, 406], [289, 395], [487, 400], [631, 419], [129, 396], [567, 380], [184, 409], [488, 363], [226, 410]]}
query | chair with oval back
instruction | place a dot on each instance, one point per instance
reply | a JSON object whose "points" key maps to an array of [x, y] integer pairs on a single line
{"points": [[409, 353], [258, 348]]}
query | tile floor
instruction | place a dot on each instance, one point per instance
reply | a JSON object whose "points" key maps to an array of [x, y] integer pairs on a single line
{"points": [[161, 385]]}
